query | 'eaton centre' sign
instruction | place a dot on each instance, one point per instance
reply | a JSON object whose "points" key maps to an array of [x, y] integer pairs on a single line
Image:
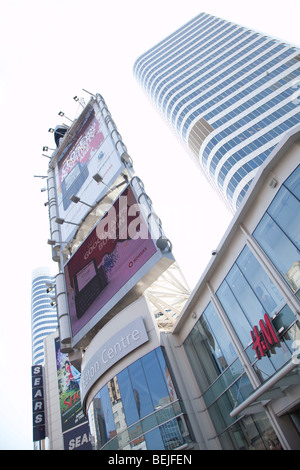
{"points": [[112, 351]]}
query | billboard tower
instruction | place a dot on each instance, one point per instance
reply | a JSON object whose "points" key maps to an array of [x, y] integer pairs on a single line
{"points": [[105, 236]]}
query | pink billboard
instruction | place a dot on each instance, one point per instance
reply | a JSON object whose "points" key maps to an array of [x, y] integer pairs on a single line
{"points": [[110, 261], [72, 165], [91, 151]]}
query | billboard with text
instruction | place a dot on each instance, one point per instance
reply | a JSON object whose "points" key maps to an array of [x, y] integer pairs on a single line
{"points": [[91, 150], [117, 254]]}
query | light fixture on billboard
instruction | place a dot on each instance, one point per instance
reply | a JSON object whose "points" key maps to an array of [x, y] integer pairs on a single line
{"points": [[60, 221], [77, 199], [54, 242], [81, 101], [164, 243], [40, 176], [45, 148], [126, 158], [62, 114], [99, 179]]}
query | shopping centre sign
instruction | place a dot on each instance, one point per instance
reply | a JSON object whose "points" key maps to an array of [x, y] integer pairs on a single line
{"points": [[264, 339]]}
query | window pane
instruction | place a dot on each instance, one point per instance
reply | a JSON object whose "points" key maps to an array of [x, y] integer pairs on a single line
{"points": [[235, 313], [140, 389], [110, 429], [156, 384], [127, 396], [171, 435], [261, 284], [285, 210], [293, 183], [280, 250], [245, 296], [166, 374], [225, 349], [153, 440]]}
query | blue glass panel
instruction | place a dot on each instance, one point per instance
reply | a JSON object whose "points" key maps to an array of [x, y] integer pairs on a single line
{"points": [[279, 249], [285, 210], [293, 183]]}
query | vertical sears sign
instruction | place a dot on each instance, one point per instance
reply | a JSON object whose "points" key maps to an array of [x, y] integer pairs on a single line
{"points": [[38, 403], [91, 150]]}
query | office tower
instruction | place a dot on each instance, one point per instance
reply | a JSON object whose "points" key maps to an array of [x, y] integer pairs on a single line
{"points": [[43, 314], [228, 92]]}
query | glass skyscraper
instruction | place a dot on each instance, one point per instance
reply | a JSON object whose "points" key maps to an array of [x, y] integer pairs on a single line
{"points": [[227, 91], [43, 314]]}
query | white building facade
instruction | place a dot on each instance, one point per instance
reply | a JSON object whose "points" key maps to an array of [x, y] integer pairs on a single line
{"points": [[227, 93], [43, 314]]}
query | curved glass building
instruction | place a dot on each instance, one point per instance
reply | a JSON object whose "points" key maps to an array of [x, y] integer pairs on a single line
{"points": [[228, 92], [138, 409], [43, 314]]}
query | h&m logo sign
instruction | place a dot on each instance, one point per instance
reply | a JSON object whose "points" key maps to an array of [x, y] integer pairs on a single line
{"points": [[264, 339]]}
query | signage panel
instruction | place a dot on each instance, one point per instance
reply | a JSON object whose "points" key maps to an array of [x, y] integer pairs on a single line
{"points": [[110, 262], [68, 378], [78, 439], [92, 151], [264, 339], [38, 404], [112, 351]]}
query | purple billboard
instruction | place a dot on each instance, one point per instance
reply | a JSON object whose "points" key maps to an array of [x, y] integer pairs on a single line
{"points": [[114, 257]]}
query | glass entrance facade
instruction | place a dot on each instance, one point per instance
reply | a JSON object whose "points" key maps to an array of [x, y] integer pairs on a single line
{"points": [[139, 409], [242, 299]]}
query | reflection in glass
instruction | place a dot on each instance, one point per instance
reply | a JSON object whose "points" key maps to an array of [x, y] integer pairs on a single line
{"points": [[140, 389], [155, 380], [208, 344], [261, 284], [283, 210], [278, 233], [235, 313], [134, 411], [293, 183]]}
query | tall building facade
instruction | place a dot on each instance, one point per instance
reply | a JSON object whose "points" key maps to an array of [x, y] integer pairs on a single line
{"points": [[43, 314], [228, 93]]}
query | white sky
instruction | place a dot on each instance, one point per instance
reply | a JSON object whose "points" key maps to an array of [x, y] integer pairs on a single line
{"points": [[49, 52]]}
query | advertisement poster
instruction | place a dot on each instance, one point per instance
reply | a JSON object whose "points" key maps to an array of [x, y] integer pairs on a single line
{"points": [[112, 254], [92, 151], [68, 379]]}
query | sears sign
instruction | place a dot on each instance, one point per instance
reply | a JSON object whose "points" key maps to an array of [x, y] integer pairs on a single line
{"points": [[38, 404]]}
